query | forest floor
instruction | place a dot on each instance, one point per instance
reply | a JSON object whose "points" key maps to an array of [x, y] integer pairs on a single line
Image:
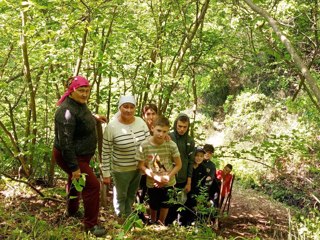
{"points": [[252, 216]]}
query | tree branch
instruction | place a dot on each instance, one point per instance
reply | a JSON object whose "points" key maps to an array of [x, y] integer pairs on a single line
{"points": [[247, 159], [295, 57], [32, 187]]}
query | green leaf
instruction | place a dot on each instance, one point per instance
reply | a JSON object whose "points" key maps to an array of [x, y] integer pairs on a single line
{"points": [[82, 182], [139, 223], [78, 187]]}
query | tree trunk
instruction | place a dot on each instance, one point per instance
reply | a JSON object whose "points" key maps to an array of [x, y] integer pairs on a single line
{"points": [[189, 37], [32, 103], [295, 56], [83, 45]]}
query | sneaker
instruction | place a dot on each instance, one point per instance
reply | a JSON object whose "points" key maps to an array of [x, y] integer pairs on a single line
{"points": [[150, 222], [97, 231]]}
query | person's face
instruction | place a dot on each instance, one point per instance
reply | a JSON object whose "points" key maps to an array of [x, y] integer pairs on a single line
{"points": [[81, 95], [199, 157], [208, 155], [182, 127], [226, 170], [127, 111], [159, 133], [149, 116]]}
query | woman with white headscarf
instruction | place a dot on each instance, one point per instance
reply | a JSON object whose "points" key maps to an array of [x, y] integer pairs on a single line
{"points": [[121, 138]]}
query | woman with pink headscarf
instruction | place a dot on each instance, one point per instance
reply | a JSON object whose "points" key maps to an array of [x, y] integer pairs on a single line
{"points": [[74, 145]]}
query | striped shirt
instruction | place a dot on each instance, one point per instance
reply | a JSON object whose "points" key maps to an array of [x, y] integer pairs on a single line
{"points": [[158, 158], [120, 143]]}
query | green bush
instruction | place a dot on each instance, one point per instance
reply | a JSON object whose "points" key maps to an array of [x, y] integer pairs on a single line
{"points": [[305, 226]]}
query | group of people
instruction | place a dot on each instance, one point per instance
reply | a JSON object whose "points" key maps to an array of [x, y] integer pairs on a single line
{"points": [[137, 154]]}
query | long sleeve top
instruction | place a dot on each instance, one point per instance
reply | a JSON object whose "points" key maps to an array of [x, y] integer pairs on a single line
{"points": [[186, 147], [120, 143], [75, 132], [211, 181], [226, 182], [198, 179]]}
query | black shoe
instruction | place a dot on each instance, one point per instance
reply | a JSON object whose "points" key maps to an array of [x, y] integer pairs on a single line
{"points": [[150, 222], [77, 214], [142, 217], [97, 231]]}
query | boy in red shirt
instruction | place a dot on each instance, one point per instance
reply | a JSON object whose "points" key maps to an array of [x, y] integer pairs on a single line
{"points": [[225, 179]]}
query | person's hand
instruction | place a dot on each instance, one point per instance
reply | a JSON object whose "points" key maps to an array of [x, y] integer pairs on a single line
{"points": [[187, 188], [165, 179], [76, 174], [167, 138], [159, 185], [100, 118], [157, 178], [107, 180], [158, 181]]}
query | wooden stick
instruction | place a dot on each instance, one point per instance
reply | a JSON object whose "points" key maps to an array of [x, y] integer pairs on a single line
{"points": [[230, 195]]}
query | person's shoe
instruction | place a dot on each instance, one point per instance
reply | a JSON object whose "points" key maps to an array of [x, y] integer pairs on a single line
{"points": [[97, 231], [142, 217], [150, 222], [77, 214]]}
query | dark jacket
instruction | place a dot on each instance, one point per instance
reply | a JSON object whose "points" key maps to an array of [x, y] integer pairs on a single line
{"points": [[75, 132], [211, 171], [199, 175], [186, 146]]}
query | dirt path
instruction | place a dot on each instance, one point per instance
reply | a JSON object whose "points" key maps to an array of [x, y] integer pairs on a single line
{"points": [[253, 214]]}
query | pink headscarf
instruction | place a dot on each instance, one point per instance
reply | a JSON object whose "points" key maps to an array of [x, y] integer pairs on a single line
{"points": [[78, 81]]}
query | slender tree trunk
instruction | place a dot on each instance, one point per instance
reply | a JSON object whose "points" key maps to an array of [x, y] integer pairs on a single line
{"points": [[195, 100], [178, 59], [82, 47], [189, 37], [32, 103], [295, 56], [102, 51]]}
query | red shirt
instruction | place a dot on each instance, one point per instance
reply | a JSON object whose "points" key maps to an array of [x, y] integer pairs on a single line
{"points": [[226, 182]]}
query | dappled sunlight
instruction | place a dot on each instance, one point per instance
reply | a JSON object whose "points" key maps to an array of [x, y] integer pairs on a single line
{"points": [[253, 214], [216, 139], [14, 189]]}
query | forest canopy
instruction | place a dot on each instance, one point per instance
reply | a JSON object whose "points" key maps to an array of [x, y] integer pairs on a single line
{"points": [[214, 58]]}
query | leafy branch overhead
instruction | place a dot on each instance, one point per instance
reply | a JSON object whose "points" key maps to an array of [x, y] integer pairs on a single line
{"points": [[247, 73]]}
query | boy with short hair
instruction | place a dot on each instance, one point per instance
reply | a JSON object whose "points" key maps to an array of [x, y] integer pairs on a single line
{"points": [[197, 182], [160, 160], [186, 145], [211, 180]]}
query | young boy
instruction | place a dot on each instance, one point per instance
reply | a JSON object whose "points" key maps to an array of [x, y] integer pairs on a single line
{"points": [[186, 145], [211, 182], [160, 160], [225, 179], [197, 182]]}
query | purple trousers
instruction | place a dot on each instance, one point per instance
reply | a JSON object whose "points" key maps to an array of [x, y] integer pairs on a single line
{"points": [[90, 192]]}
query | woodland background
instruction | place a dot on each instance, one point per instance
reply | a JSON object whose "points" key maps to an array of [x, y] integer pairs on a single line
{"points": [[246, 71]]}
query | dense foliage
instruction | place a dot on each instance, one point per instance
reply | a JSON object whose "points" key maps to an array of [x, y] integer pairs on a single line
{"points": [[220, 58]]}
